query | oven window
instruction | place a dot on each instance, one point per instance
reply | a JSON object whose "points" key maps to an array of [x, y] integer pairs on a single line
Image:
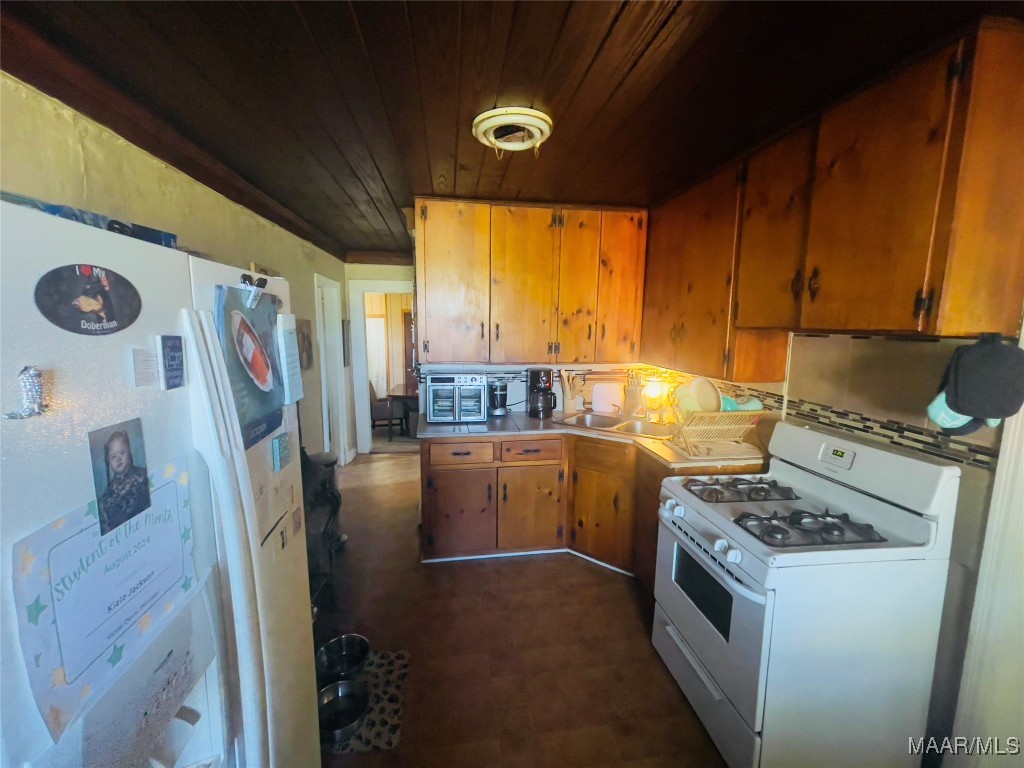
{"points": [[704, 591], [471, 402], [442, 403]]}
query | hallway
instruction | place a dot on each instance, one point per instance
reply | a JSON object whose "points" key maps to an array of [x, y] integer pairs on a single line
{"points": [[529, 661]]}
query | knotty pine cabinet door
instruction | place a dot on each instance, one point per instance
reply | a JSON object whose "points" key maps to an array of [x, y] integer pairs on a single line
{"points": [[453, 281], [578, 285], [524, 284], [773, 234], [689, 278], [461, 508], [530, 509], [602, 524], [663, 283], [620, 286], [878, 174]]}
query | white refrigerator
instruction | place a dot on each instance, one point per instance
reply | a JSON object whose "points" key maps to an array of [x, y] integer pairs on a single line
{"points": [[154, 594]]}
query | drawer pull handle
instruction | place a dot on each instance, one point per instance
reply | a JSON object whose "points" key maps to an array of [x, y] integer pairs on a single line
{"points": [[531, 450], [461, 453], [814, 284], [698, 668]]}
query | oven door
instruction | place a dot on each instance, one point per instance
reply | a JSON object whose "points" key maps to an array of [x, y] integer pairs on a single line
{"points": [[721, 616], [472, 403], [441, 402]]}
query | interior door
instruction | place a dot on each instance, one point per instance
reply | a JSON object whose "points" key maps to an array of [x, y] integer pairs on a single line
{"points": [[524, 284], [411, 384]]}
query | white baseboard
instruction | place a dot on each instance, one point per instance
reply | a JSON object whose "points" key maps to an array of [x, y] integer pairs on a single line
{"points": [[525, 554]]}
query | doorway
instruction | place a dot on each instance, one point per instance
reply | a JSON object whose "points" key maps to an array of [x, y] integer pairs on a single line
{"points": [[332, 366], [388, 367]]}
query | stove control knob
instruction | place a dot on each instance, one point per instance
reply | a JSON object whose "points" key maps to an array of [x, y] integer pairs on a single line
{"points": [[671, 505], [721, 545], [733, 555]]}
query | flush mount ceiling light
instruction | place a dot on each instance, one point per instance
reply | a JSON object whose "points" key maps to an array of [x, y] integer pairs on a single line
{"points": [[512, 128]]}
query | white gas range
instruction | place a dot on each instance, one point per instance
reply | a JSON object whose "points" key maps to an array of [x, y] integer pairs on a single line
{"points": [[799, 611]]}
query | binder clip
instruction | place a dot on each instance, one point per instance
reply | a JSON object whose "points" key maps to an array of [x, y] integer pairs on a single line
{"points": [[254, 289]]}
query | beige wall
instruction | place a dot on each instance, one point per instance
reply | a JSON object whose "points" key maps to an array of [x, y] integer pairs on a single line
{"points": [[50, 152]]}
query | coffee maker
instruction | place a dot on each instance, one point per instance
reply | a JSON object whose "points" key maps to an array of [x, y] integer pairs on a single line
{"points": [[497, 404], [540, 399]]}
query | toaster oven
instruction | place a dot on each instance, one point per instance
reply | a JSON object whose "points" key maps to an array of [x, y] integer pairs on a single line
{"points": [[455, 397]]}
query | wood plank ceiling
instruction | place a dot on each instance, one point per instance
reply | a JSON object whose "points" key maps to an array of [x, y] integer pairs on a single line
{"points": [[328, 117]]}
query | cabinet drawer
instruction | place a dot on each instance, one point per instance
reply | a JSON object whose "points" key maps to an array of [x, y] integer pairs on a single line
{"points": [[531, 450], [461, 453], [604, 456]]}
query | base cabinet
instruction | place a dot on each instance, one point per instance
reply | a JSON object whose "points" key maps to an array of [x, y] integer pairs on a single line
{"points": [[463, 513], [602, 519], [492, 495], [530, 507]]}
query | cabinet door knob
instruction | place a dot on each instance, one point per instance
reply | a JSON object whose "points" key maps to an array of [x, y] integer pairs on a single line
{"points": [[814, 284], [796, 285], [481, 330], [489, 489], [497, 331], [602, 331], [615, 502], [504, 491], [590, 329]]}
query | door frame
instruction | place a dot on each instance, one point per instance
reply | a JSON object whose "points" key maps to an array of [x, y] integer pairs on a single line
{"points": [[332, 366], [357, 290]]}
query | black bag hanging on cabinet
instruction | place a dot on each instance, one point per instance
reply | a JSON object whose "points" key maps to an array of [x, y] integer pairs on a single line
{"points": [[984, 382]]}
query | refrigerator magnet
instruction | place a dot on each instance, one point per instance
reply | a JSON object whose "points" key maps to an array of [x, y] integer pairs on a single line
{"points": [[119, 473], [87, 299]]}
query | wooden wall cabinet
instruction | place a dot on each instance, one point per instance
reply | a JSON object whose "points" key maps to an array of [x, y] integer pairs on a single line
{"points": [[917, 213], [773, 234], [688, 295], [453, 242], [600, 293], [528, 284], [524, 284], [601, 524], [493, 494]]}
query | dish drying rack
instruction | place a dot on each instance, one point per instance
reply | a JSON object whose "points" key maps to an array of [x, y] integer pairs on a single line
{"points": [[705, 426]]}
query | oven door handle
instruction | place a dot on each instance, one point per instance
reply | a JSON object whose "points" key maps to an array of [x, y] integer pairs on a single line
{"points": [[691, 657], [732, 586]]}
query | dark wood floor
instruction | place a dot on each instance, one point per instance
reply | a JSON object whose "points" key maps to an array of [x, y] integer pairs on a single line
{"points": [[543, 660]]}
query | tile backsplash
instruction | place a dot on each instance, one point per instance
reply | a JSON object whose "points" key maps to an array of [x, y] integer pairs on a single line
{"points": [[880, 386]]}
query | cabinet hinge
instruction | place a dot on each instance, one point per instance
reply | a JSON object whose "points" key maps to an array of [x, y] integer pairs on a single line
{"points": [[558, 347], [423, 212], [923, 302], [426, 345], [430, 540], [575, 477], [958, 67], [561, 475]]}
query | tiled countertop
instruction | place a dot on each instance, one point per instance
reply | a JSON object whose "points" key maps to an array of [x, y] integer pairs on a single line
{"points": [[520, 424]]}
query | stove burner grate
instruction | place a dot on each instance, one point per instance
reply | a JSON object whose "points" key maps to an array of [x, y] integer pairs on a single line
{"points": [[801, 528]]}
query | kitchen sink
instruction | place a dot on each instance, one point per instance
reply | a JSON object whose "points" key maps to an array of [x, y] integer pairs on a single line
{"points": [[593, 420], [643, 428]]}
